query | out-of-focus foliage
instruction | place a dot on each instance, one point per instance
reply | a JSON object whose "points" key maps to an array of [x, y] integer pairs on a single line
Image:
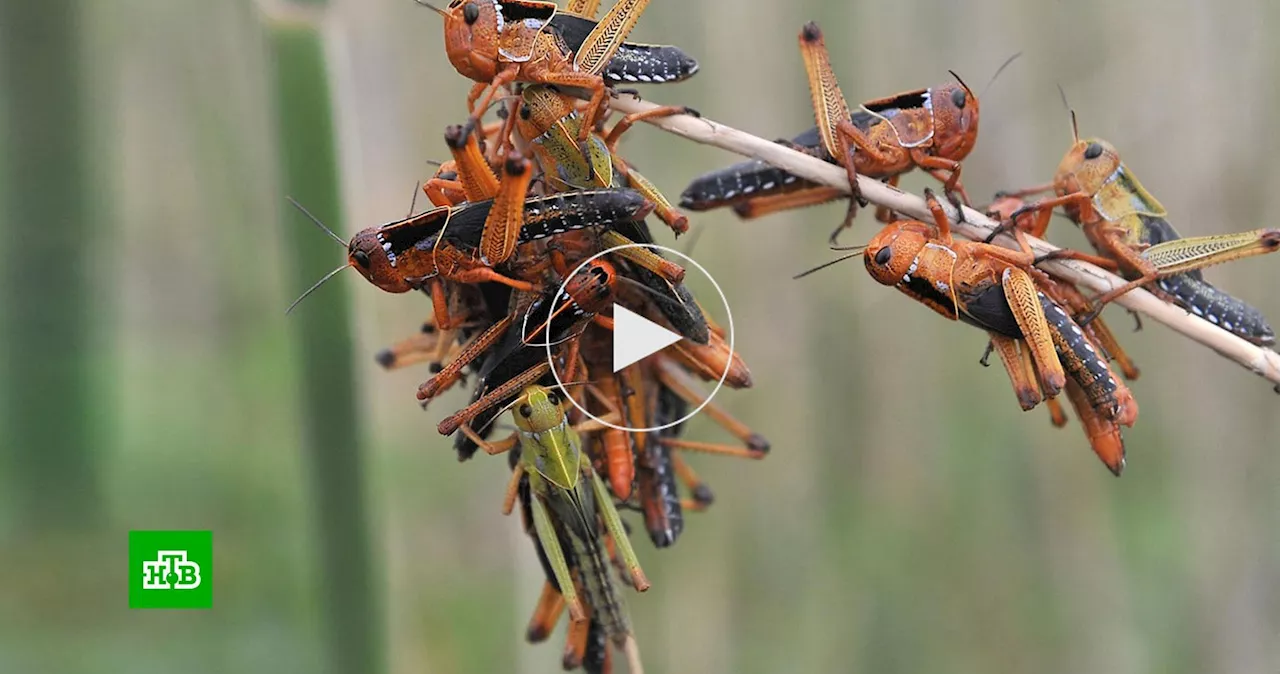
{"points": [[910, 518]]}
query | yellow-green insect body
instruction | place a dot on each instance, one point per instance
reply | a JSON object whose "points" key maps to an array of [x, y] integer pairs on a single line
{"points": [[1128, 225], [1123, 201], [548, 120], [567, 497], [552, 126]]}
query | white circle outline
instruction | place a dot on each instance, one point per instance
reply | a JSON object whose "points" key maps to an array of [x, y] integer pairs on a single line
{"points": [[728, 362]]}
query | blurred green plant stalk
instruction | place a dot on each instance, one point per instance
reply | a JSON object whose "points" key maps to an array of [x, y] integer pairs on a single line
{"points": [[309, 173], [47, 326]]}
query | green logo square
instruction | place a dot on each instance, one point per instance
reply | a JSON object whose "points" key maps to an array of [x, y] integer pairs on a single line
{"points": [[170, 569]]}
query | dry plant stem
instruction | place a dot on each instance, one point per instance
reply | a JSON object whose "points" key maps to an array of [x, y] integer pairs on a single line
{"points": [[1262, 361]]}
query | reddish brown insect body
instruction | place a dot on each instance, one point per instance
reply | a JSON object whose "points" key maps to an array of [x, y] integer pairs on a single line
{"points": [[993, 288], [933, 129], [497, 44]]}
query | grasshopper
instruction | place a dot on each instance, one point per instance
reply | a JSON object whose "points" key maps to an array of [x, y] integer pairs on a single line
{"points": [[992, 288], [549, 121], [497, 44], [1128, 228], [932, 129], [568, 501]]}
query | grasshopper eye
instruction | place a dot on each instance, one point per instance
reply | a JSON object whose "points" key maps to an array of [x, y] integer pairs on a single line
{"points": [[525, 111], [1093, 151], [553, 398], [526, 411], [883, 255], [470, 13], [958, 98], [361, 258]]}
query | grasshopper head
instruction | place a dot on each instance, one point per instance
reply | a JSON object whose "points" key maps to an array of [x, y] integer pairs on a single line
{"points": [[541, 106], [471, 29], [892, 255], [372, 256], [1087, 166], [955, 120], [546, 440], [592, 288]]}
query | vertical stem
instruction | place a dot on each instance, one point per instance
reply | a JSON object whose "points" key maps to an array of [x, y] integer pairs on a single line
{"points": [[324, 343], [45, 333]]}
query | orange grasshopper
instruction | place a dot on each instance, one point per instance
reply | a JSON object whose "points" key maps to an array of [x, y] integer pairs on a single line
{"points": [[932, 129], [443, 244], [990, 287], [497, 44]]}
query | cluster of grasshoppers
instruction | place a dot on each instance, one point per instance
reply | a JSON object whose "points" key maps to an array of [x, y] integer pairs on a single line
{"points": [[1046, 331], [528, 246], [519, 257]]}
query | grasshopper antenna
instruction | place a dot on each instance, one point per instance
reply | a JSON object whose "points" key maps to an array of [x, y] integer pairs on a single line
{"points": [[824, 265], [999, 70], [316, 220], [314, 287], [1075, 130], [413, 201], [498, 415], [966, 87], [433, 8]]}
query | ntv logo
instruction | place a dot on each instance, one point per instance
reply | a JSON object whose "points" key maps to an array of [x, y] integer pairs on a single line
{"points": [[171, 571]]}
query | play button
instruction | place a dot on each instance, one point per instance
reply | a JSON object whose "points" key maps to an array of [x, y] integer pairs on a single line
{"points": [[638, 341], [635, 337]]}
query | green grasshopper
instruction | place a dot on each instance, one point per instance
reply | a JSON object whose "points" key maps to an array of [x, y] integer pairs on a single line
{"points": [[568, 502], [549, 122], [1128, 227]]}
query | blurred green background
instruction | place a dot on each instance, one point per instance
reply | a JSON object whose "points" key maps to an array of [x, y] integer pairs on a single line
{"points": [[910, 518]]}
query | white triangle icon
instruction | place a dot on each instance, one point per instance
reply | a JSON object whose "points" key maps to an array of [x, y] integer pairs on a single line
{"points": [[635, 337]]}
